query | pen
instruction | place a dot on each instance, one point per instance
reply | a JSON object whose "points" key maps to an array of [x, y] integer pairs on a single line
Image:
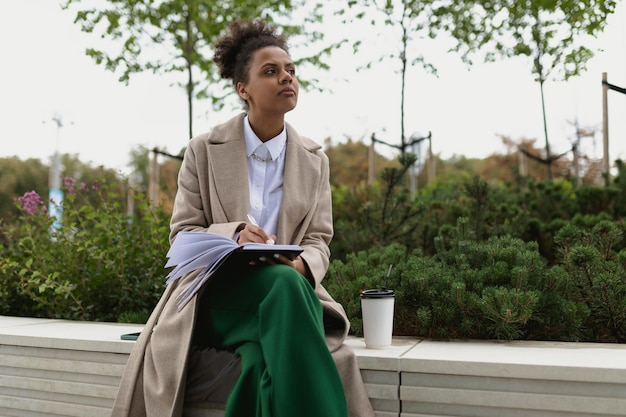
{"points": [[252, 220]]}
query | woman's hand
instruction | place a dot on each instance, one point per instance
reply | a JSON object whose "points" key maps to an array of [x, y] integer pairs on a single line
{"points": [[297, 263], [256, 234]]}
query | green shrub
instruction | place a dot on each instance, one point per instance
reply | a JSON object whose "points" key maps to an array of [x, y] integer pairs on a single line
{"points": [[362, 271], [479, 260], [598, 276], [98, 265], [501, 289], [470, 260]]}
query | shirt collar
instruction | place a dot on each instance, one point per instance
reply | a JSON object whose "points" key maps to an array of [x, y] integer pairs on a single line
{"points": [[274, 146]]}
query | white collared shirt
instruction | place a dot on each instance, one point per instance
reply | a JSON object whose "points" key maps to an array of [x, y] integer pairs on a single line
{"points": [[265, 176]]}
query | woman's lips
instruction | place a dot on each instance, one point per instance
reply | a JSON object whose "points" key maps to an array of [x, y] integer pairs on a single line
{"points": [[288, 92]]}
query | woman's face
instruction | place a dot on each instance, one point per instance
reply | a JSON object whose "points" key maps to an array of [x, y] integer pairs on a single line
{"points": [[272, 86]]}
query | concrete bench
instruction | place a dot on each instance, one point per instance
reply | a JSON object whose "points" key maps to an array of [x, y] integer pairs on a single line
{"points": [[71, 368]]}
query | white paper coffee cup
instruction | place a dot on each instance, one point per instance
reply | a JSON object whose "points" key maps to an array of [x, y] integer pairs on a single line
{"points": [[377, 307]]}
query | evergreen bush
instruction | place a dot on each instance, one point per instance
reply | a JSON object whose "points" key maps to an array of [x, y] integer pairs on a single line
{"points": [[488, 261], [597, 276], [500, 288]]}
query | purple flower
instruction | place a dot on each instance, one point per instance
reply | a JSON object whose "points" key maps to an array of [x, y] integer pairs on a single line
{"points": [[30, 202], [69, 183]]}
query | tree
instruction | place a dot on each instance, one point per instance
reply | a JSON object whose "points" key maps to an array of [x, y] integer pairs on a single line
{"points": [[547, 32], [412, 18], [175, 36]]}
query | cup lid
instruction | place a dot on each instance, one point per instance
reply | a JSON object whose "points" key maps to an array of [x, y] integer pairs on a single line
{"points": [[377, 293]]}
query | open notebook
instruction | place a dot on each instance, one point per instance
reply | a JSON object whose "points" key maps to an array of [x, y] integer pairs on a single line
{"points": [[209, 251]]}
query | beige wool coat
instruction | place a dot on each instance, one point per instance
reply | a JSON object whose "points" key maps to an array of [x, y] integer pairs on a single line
{"points": [[212, 196]]}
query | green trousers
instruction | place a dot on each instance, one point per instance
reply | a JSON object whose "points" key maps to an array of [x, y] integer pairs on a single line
{"points": [[272, 318]]}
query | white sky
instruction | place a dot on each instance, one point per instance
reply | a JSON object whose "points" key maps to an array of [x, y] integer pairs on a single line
{"points": [[45, 72]]}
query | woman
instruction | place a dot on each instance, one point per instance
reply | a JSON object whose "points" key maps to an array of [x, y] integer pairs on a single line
{"points": [[266, 338]]}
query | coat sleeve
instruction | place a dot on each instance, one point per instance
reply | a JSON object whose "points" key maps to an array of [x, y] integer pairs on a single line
{"points": [[320, 230], [191, 208], [188, 213]]}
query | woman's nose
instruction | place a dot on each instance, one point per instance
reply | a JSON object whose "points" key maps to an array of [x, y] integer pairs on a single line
{"points": [[286, 77]]}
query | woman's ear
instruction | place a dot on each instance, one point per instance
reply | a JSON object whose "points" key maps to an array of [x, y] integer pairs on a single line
{"points": [[241, 90]]}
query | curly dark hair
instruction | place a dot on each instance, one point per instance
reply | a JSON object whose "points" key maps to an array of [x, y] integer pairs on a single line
{"points": [[234, 49]]}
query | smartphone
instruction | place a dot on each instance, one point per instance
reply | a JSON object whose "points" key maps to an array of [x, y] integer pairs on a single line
{"points": [[130, 336]]}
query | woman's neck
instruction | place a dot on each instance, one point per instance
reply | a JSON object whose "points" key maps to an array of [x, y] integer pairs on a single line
{"points": [[266, 128]]}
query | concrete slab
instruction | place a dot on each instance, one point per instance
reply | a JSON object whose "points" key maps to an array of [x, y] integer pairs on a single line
{"points": [[384, 358], [520, 359], [67, 334]]}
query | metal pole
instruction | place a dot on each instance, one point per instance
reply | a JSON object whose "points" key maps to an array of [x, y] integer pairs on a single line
{"points": [[371, 168], [413, 170], [55, 196], [605, 128], [154, 179], [431, 160]]}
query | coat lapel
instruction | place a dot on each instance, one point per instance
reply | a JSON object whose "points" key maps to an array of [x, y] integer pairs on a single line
{"points": [[301, 173], [229, 167]]}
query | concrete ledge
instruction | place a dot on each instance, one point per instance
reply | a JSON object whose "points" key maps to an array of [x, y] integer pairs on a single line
{"points": [[60, 368], [521, 378], [69, 368]]}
